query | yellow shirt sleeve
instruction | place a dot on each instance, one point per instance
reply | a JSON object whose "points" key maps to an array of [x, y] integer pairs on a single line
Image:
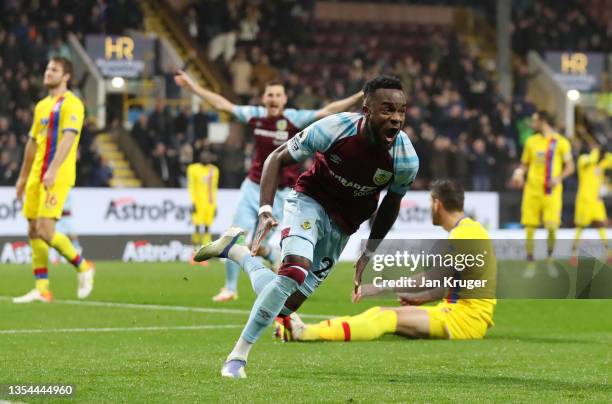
{"points": [[35, 122], [73, 114]]}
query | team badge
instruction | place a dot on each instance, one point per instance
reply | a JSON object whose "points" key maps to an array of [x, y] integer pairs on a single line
{"points": [[73, 118], [306, 225], [281, 125], [44, 121], [381, 177]]}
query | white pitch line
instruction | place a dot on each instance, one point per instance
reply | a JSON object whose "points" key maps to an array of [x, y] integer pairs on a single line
{"points": [[165, 307], [122, 329]]}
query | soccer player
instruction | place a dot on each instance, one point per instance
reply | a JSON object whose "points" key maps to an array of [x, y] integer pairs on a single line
{"points": [[590, 208], [357, 155], [202, 182], [462, 314], [47, 174], [272, 125], [547, 158]]}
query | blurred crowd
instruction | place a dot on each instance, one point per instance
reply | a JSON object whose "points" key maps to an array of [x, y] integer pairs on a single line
{"points": [[30, 33]]}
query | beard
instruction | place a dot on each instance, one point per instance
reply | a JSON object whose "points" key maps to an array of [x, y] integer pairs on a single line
{"points": [[435, 218]]}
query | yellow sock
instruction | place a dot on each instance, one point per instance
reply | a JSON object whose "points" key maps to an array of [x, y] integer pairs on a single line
{"points": [[603, 236], [64, 246], [196, 239], [550, 242], [40, 260], [206, 238], [363, 329], [311, 332], [576, 240], [361, 316], [529, 243]]}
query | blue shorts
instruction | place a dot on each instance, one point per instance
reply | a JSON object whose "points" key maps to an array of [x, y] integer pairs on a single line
{"points": [[248, 206], [309, 232]]}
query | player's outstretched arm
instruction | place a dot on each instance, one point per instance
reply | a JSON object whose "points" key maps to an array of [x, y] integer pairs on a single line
{"points": [[385, 217], [217, 101], [60, 155], [270, 176], [339, 106], [26, 166]]}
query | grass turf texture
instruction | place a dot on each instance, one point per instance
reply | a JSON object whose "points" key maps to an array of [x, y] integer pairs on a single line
{"points": [[539, 350]]}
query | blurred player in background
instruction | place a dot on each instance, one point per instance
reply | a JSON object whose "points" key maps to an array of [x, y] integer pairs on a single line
{"points": [[66, 225], [47, 174], [203, 182], [547, 160], [272, 125], [590, 208], [357, 155], [463, 314]]}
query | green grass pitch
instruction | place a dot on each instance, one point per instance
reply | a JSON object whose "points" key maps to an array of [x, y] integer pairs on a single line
{"points": [[152, 347]]}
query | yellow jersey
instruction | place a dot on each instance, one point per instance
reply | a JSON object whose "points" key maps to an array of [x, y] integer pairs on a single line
{"points": [[471, 238], [202, 181], [545, 156], [591, 174], [53, 116]]}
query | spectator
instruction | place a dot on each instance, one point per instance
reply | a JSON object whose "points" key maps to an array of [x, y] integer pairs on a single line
{"points": [[241, 72], [263, 73], [482, 163]]}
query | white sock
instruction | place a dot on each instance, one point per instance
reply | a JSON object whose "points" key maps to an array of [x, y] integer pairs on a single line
{"points": [[237, 253], [241, 350]]}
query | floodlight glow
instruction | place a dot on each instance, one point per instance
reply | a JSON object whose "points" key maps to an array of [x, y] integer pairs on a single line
{"points": [[573, 95], [117, 82]]}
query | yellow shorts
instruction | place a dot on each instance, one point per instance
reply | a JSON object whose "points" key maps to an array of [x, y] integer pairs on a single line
{"points": [[40, 202], [588, 212], [537, 208], [204, 215], [455, 321]]}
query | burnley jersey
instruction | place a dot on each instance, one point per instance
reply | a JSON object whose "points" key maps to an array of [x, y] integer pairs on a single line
{"points": [[269, 133], [349, 170]]}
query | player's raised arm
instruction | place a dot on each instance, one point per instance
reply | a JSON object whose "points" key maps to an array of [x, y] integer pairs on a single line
{"points": [[339, 106], [270, 176], [217, 101]]}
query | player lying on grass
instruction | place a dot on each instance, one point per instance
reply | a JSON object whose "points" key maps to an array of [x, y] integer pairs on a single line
{"points": [[356, 156], [458, 316]]}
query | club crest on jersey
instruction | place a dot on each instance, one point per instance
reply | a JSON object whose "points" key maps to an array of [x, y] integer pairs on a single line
{"points": [[281, 124], [306, 225], [44, 121], [381, 177]]}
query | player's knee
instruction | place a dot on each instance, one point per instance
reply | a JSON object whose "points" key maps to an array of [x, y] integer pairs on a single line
{"points": [[295, 267], [44, 232]]}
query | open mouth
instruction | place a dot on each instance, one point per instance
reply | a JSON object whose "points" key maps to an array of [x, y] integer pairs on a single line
{"points": [[390, 134]]}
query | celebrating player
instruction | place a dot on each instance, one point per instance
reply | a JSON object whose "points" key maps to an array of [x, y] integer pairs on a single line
{"points": [[47, 174], [202, 182], [356, 156], [272, 125], [547, 157], [463, 314], [590, 208]]}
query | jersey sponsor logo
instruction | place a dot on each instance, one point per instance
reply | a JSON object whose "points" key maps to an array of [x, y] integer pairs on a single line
{"points": [[334, 158], [360, 190], [381, 176], [278, 136]]}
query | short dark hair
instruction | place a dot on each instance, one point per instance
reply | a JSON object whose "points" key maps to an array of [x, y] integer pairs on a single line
{"points": [[66, 64], [450, 193], [274, 82], [383, 81], [546, 117]]}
